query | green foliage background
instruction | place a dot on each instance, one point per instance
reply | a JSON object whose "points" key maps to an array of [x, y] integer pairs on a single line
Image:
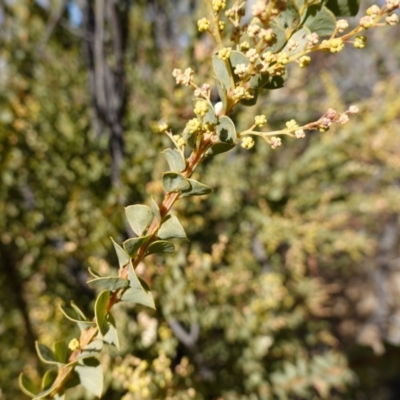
{"points": [[287, 288]]}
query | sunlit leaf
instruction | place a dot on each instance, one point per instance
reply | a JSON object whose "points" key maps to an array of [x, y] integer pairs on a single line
{"points": [[171, 229], [139, 217], [90, 375], [100, 310], [175, 160], [109, 283]]}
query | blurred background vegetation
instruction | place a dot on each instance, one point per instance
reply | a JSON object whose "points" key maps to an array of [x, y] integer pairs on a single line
{"points": [[290, 285]]}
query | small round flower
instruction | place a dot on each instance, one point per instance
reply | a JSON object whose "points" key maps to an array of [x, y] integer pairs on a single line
{"points": [[238, 93], [203, 24], [292, 124], [247, 142], [292, 45], [336, 45], [268, 56], [373, 11], [224, 53], [392, 4], [249, 94], [269, 36], [283, 58], [392, 20], [304, 61], [360, 41], [181, 142], [203, 91], [299, 133], [331, 114], [343, 118], [366, 22], [312, 39], [74, 344], [253, 30], [201, 108], [244, 46], [193, 126], [275, 142], [241, 70], [353, 110], [342, 25], [184, 78], [162, 127], [260, 120], [221, 26], [252, 55], [218, 5]]}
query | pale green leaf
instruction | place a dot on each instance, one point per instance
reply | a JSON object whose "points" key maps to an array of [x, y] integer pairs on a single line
{"points": [[171, 229], [132, 245], [46, 354], [123, 258], [160, 246], [175, 160], [320, 20], [154, 207], [100, 310], [91, 350], [196, 189], [109, 283], [73, 315], [139, 217], [90, 374], [221, 71], [174, 182], [111, 336]]}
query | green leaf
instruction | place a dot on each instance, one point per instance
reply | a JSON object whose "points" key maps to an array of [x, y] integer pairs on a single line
{"points": [[320, 20], [112, 335], [275, 82], [46, 354], [174, 182], [175, 160], [171, 229], [222, 94], [300, 37], [160, 246], [123, 258], [221, 71], [100, 310], [90, 375], [280, 37], [26, 385], [109, 283], [132, 246], [289, 19], [226, 131], [219, 148], [344, 8], [139, 217], [92, 349], [155, 209], [60, 350], [196, 189], [80, 319], [210, 117], [78, 311], [136, 293], [44, 394], [93, 273], [48, 378]]}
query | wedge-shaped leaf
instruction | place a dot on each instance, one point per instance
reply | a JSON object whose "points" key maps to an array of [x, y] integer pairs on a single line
{"points": [[46, 354], [222, 94], [300, 37], [196, 189], [100, 310], [27, 386], [160, 246], [60, 350], [112, 335], [91, 350], [48, 378], [320, 20], [73, 315], [123, 258], [138, 291], [155, 209], [174, 182], [219, 148], [132, 246], [171, 229], [344, 8], [175, 160], [90, 375], [111, 283], [226, 131], [93, 273], [221, 71], [289, 19], [139, 217]]}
